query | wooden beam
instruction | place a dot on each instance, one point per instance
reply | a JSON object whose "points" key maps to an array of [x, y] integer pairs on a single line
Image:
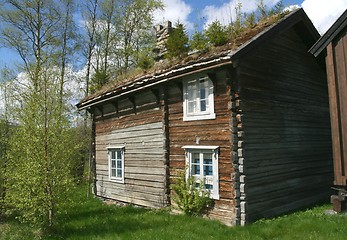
{"points": [[334, 115], [179, 85], [155, 92], [115, 105], [99, 108], [132, 100], [213, 78]]}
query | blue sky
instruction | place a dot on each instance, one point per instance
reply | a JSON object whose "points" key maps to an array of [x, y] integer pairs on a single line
{"points": [[191, 12]]}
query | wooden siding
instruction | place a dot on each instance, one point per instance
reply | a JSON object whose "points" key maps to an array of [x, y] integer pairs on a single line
{"points": [[336, 62], [214, 132], [140, 130], [284, 141]]}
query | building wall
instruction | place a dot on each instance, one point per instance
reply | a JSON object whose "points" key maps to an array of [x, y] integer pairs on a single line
{"points": [[135, 123], [215, 132], [336, 62], [285, 158]]}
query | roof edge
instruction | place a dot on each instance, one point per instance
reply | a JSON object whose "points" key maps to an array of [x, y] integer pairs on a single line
{"points": [[152, 80], [288, 21], [329, 35], [225, 58]]}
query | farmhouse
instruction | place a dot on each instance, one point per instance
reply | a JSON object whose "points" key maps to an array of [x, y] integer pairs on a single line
{"points": [[250, 119], [333, 46]]}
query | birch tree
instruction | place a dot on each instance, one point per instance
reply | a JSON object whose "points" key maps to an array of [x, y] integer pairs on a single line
{"points": [[133, 28], [38, 170]]}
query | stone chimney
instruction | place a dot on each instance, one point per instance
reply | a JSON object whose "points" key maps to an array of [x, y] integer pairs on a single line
{"points": [[162, 34]]}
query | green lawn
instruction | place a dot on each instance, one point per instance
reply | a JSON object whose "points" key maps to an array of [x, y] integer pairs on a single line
{"points": [[92, 219]]}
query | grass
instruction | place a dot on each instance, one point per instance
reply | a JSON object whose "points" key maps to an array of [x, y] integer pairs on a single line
{"points": [[89, 218]]}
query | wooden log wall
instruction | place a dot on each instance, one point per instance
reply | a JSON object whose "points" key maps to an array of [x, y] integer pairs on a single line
{"points": [[286, 153], [216, 132], [336, 62], [137, 124]]}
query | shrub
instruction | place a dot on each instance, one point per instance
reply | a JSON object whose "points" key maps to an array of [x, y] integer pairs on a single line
{"points": [[217, 34], [193, 201], [177, 42], [199, 41]]}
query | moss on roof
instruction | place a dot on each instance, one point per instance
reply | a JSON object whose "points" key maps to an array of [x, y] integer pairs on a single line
{"points": [[166, 66]]}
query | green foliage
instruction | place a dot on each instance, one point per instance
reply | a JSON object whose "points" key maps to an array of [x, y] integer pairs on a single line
{"points": [[199, 41], [90, 218], [133, 24], [189, 198], [145, 60], [4, 136], [217, 34], [177, 42], [250, 20], [40, 155], [99, 79], [263, 11], [277, 9], [237, 27]]}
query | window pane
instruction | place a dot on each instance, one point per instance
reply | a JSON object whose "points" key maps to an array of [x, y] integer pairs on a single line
{"points": [[191, 106], [207, 159], [195, 164], [208, 170], [203, 106], [119, 164], [113, 154], [113, 172], [191, 90], [209, 186], [119, 172], [113, 164], [196, 158], [195, 169], [204, 92], [119, 155]]}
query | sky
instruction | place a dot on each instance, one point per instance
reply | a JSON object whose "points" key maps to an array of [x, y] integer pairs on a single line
{"points": [[199, 13], [202, 12]]}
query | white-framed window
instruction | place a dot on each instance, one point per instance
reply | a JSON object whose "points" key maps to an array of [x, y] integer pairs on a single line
{"points": [[202, 165], [116, 163], [198, 101]]}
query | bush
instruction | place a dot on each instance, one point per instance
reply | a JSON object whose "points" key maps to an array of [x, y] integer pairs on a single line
{"points": [[217, 34], [199, 41], [193, 201], [177, 42]]}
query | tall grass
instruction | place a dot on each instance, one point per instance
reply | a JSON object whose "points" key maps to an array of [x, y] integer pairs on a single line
{"points": [[90, 218]]}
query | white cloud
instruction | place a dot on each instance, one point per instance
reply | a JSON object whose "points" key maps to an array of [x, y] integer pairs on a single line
{"points": [[324, 13], [227, 12], [174, 10]]}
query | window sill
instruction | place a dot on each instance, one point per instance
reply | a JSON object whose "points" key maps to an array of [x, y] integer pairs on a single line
{"points": [[199, 117], [117, 180]]}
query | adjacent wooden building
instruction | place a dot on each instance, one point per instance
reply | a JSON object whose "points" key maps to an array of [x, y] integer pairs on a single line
{"points": [[249, 119], [333, 47]]}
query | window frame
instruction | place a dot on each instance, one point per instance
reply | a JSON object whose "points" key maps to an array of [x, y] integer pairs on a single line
{"points": [[198, 115], [111, 149], [214, 150]]}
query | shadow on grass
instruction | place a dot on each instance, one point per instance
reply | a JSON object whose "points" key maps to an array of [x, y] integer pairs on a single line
{"points": [[92, 218]]}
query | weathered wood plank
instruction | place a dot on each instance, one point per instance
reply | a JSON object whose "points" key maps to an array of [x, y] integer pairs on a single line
{"points": [[285, 146], [334, 114], [341, 78]]}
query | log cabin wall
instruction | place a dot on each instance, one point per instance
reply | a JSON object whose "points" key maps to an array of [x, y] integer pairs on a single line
{"points": [[336, 62], [216, 132], [286, 152], [137, 124]]}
